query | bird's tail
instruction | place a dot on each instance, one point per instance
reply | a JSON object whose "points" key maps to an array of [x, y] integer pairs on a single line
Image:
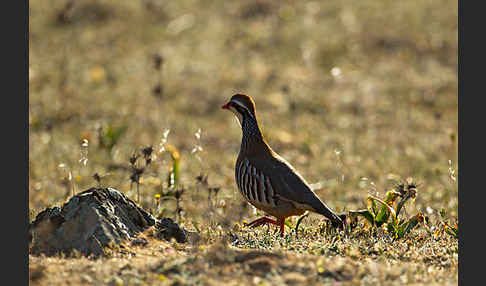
{"points": [[337, 220]]}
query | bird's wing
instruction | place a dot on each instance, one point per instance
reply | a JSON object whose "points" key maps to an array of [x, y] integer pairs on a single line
{"points": [[291, 186]]}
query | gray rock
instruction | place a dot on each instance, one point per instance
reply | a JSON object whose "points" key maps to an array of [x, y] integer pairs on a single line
{"points": [[168, 229], [88, 222]]}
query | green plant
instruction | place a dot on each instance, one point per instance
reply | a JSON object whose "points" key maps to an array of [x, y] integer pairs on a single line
{"points": [[110, 135], [446, 226], [387, 216], [451, 229], [173, 175], [298, 223]]}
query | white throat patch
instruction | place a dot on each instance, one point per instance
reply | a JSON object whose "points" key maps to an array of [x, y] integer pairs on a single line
{"points": [[237, 115]]}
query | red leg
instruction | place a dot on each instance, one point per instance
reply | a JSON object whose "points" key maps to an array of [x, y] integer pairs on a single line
{"points": [[281, 223], [262, 220]]}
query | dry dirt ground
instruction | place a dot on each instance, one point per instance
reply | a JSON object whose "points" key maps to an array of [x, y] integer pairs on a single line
{"points": [[306, 261], [357, 95]]}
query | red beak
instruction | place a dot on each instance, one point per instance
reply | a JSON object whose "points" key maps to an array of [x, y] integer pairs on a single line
{"points": [[226, 106]]}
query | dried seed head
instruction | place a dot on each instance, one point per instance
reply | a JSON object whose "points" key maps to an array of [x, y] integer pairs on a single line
{"points": [[202, 179], [136, 174], [214, 189], [138, 171], [400, 188], [163, 141], [147, 151], [84, 152], [157, 90], [148, 161], [133, 158], [97, 177], [198, 134], [134, 178], [178, 193], [158, 61], [407, 188]]}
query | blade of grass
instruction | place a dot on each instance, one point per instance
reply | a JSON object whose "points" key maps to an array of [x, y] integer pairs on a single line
{"points": [[409, 195], [409, 225], [371, 206], [298, 223], [173, 176], [364, 213], [390, 209], [384, 213]]}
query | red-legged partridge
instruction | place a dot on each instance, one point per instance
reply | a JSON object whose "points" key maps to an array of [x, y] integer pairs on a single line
{"points": [[265, 179]]}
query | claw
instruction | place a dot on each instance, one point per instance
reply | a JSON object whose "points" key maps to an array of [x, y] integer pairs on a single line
{"points": [[260, 221], [264, 220]]}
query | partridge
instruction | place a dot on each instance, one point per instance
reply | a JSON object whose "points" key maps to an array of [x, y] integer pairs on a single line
{"points": [[266, 180]]}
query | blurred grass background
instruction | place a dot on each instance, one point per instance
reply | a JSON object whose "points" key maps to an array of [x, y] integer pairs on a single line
{"points": [[355, 94]]}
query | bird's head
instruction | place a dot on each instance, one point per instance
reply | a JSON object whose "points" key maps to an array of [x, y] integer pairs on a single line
{"points": [[242, 106]]}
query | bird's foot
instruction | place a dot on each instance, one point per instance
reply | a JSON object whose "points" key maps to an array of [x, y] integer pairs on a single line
{"points": [[262, 220]]}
